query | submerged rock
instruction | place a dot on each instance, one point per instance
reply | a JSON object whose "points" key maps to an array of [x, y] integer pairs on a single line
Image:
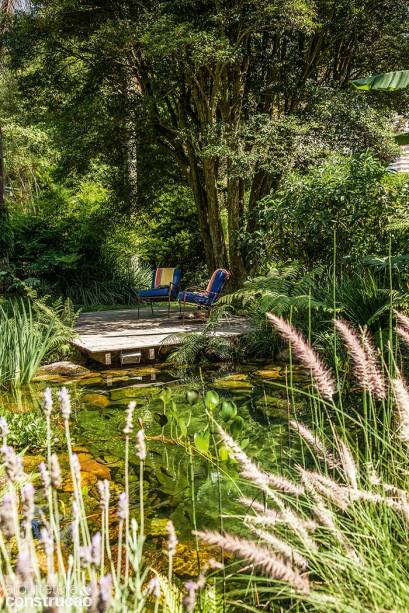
{"points": [[235, 382], [269, 373], [96, 400], [64, 368]]}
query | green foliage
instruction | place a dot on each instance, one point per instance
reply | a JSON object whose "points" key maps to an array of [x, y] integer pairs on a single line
{"points": [[28, 334], [167, 232], [389, 81], [307, 298], [352, 196], [28, 431]]}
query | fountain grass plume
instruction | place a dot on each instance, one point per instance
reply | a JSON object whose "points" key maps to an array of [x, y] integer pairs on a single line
{"points": [[250, 471], [271, 564], [376, 378], [402, 404], [366, 368], [314, 442], [321, 375], [281, 547]]}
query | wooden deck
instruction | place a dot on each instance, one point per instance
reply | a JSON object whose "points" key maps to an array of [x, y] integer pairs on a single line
{"points": [[119, 336]]}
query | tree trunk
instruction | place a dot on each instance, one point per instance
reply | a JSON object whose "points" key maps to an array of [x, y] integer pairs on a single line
{"points": [[196, 181], [235, 208], [5, 240]]}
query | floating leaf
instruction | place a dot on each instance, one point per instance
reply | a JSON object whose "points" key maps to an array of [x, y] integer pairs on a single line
{"points": [[202, 441], [212, 400], [228, 410], [236, 426], [192, 396]]}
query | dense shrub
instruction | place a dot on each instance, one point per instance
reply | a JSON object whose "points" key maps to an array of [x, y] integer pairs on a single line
{"points": [[353, 195]]}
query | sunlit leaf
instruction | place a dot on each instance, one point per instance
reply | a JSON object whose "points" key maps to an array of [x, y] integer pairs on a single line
{"points": [[202, 441], [228, 410], [212, 400], [388, 81]]}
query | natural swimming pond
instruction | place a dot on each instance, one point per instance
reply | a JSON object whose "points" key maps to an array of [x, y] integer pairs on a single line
{"points": [[189, 477]]}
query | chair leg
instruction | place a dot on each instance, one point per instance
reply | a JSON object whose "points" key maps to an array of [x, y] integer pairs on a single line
{"points": [[152, 306], [169, 307]]}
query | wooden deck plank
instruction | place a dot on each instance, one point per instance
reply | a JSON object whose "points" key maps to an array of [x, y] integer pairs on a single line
{"points": [[116, 331]]}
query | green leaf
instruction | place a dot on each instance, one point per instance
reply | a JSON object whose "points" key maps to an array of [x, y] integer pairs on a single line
{"points": [[192, 396], [182, 426], [236, 426], [224, 453], [387, 81], [202, 440], [165, 395], [244, 443], [212, 400], [228, 410]]}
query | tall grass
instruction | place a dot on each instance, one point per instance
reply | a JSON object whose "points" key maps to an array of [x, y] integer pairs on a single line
{"points": [[26, 337], [333, 535]]}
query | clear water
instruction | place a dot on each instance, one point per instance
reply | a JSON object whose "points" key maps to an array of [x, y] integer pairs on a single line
{"points": [[100, 399]]}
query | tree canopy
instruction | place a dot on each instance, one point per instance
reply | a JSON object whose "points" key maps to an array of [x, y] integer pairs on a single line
{"points": [[229, 96]]}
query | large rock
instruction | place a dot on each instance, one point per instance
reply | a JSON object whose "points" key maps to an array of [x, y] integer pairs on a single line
{"points": [[65, 369]]}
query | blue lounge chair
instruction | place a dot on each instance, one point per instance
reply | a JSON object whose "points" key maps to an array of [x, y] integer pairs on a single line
{"points": [[165, 286], [208, 297]]}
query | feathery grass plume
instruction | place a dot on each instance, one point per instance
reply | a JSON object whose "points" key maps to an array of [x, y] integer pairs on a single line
{"points": [[403, 333], [281, 547], [314, 442], [321, 375], [403, 320], [326, 517], [402, 402], [251, 472], [348, 464], [329, 488], [270, 564], [359, 356], [376, 378]]}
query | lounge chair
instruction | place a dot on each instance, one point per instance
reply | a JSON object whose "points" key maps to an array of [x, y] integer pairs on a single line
{"points": [[205, 298], [165, 286]]}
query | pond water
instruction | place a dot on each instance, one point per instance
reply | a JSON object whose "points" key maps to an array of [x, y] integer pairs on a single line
{"points": [[179, 440]]}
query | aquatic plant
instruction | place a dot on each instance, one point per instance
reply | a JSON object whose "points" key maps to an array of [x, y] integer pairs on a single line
{"points": [[78, 571]]}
